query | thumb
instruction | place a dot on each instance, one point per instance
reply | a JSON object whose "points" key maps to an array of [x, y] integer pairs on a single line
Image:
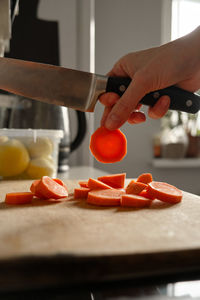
{"points": [[126, 104]]}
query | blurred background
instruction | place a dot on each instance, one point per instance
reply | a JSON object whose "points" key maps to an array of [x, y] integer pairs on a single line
{"points": [[90, 35]]}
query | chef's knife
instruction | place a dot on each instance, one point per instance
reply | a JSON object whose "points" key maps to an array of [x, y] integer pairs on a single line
{"points": [[76, 89]]}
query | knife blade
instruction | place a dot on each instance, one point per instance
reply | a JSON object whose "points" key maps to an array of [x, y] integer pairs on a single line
{"points": [[77, 89]]}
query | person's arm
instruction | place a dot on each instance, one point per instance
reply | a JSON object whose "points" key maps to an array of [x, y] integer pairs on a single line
{"points": [[175, 63]]}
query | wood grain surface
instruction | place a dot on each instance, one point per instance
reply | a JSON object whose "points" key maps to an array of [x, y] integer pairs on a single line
{"points": [[71, 241]]}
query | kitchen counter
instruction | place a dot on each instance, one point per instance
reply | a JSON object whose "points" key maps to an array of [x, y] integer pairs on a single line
{"points": [[82, 172]]}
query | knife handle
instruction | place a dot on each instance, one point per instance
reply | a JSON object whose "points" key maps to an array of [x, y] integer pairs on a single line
{"points": [[181, 100]]}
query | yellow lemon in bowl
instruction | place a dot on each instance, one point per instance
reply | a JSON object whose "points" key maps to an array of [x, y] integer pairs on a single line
{"points": [[39, 167], [14, 158]]}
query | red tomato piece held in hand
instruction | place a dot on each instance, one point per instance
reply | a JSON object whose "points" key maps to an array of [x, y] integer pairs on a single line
{"points": [[108, 146]]}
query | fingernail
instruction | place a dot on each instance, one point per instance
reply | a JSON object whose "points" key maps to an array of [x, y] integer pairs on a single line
{"points": [[112, 122]]}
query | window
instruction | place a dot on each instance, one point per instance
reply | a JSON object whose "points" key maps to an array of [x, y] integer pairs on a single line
{"points": [[185, 17]]}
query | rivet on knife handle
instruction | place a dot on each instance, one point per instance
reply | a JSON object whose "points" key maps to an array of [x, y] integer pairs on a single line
{"points": [[181, 100]]}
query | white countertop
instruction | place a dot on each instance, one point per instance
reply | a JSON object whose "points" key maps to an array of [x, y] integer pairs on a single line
{"points": [[82, 172]]}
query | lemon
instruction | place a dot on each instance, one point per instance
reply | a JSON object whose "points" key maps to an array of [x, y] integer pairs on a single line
{"points": [[39, 167], [41, 147], [14, 158]]}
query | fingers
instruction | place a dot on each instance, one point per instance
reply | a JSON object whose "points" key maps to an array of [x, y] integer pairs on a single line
{"points": [[119, 110], [106, 112], [123, 108], [160, 108], [109, 99], [137, 117]]}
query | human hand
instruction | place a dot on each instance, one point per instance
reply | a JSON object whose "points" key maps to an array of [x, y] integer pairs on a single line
{"points": [[175, 63]]}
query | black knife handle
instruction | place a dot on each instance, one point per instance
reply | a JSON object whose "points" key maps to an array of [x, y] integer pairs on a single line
{"points": [[181, 100]]}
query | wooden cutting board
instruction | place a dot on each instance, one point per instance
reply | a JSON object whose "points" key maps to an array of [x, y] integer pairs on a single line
{"points": [[69, 242]]}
